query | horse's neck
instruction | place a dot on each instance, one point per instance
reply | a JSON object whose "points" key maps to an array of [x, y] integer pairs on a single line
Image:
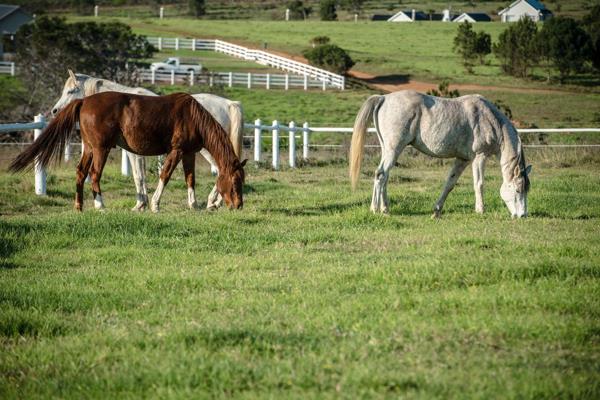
{"points": [[510, 154], [218, 145]]}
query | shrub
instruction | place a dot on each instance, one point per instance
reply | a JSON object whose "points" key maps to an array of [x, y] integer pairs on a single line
{"points": [[328, 10], [330, 57], [517, 48], [298, 10], [443, 90], [471, 45], [319, 40]]}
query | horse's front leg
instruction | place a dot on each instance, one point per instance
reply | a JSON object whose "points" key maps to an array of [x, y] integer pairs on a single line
{"points": [[215, 200], [455, 172], [189, 163], [170, 163], [138, 167], [478, 166]]}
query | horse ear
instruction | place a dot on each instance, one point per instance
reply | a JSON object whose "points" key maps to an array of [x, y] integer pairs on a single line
{"points": [[243, 163], [72, 75], [528, 170], [99, 84]]}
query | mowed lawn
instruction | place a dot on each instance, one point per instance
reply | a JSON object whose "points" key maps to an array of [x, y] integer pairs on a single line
{"points": [[304, 293]]}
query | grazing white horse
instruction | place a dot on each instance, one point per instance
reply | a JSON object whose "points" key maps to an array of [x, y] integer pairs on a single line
{"points": [[468, 129], [228, 113]]}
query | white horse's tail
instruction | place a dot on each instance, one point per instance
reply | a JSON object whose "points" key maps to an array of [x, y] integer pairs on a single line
{"points": [[358, 136], [237, 127]]}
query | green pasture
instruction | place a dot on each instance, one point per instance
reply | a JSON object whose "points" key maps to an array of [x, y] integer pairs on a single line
{"points": [[392, 51], [303, 293]]}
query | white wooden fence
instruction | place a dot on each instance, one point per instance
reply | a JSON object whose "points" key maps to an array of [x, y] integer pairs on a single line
{"points": [[246, 79], [7, 68], [293, 132], [259, 56]]}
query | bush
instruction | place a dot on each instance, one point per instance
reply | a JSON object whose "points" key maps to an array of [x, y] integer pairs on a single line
{"points": [[319, 40], [297, 10], [329, 57], [197, 7], [443, 90], [328, 10], [591, 24]]}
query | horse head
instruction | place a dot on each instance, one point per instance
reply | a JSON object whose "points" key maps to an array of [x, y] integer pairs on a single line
{"points": [[514, 191], [76, 87], [230, 185]]}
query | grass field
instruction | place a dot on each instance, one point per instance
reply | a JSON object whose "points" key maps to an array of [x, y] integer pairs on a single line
{"points": [[304, 293]]}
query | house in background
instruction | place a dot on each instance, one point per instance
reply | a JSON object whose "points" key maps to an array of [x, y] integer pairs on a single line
{"points": [[409, 16], [381, 17], [11, 19], [472, 17], [532, 9]]}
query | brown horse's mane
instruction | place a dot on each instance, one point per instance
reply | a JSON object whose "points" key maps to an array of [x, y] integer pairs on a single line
{"points": [[215, 138]]}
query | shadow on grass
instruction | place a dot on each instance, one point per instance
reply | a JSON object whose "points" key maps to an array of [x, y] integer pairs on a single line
{"points": [[394, 79], [319, 210]]}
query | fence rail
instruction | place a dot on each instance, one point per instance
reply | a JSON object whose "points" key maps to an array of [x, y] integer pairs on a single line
{"points": [[259, 56], [275, 129], [249, 80], [7, 68]]}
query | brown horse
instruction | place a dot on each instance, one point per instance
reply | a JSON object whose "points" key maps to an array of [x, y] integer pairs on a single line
{"points": [[146, 125]]}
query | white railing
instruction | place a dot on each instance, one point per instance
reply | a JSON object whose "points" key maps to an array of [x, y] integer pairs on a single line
{"points": [[246, 79], [259, 56], [275, 129], [7, 68]]}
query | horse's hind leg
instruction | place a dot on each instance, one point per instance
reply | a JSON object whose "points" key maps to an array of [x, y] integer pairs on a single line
{"points": [[98, 161], [380, 201], [171, 162], [478, 167], [189, 161], [455, 172], [138, 167], [82, 172]]}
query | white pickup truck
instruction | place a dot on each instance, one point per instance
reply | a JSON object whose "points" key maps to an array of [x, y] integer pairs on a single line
{"points": [[173, 64]]}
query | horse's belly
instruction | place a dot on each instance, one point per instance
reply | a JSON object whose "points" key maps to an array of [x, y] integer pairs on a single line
{"points": [[444, 145], [142, 147]]}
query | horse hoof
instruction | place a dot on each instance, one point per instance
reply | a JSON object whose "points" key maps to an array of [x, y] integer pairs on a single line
{"points": [[193, 206], [212, 208], [436, 215], [139, 208], [78, 207]]}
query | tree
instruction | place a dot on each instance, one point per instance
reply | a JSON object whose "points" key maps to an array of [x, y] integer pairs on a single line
{"points": [[328, 10], [298, 10], [330, 57], [197, 7], [565, 44], [48, 46], [471, 45], [591, 24], [352, 5], [517, 48]]}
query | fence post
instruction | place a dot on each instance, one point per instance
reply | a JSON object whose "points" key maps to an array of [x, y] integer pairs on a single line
{"points": [[249, 80], [210, 80], [268, 81], [96, 11], [305, 82], [343, 82], [162, 12], [172, 77], [125, 167], [324, 84], [176, 43], [287, 81], [305, 133], [275, 144], [257, 140], [230, 79], [192, 77], [12, 69], [153, 78], [40, 172], [159, 44], [194, 44], [292, 144]]}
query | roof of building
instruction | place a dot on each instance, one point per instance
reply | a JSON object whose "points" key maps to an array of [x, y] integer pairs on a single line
{"points": [[419, 15], [381, 17], [7, 9], [479, 17], [533, 3]]}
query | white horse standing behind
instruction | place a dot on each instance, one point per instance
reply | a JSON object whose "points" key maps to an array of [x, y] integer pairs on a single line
{"points": [[468, 128], [228, 113]]}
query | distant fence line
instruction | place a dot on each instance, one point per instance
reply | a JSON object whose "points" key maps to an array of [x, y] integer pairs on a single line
{"points": [[259, 56], [7, 68], [246, 79]]}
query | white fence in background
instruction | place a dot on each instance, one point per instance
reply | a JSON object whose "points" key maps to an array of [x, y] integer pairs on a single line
{"points": [[246, 79], [293, 132], [7, 68], [259, 56]]}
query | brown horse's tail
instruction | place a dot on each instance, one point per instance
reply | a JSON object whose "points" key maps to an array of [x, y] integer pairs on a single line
{"points": [[358, 135], [236, 128], [51, 143]]}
